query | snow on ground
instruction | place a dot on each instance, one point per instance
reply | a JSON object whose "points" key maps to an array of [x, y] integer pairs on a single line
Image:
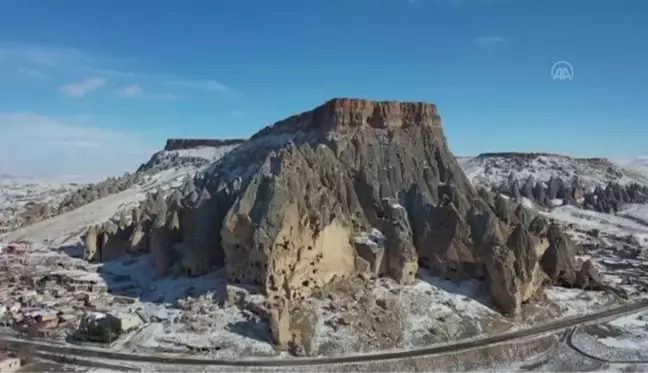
{"points": [[207, 315], [384, 315], [206, 152], [205, 320], [199, 157], [622, 340], [23, 190], [436, 306], [563, 359], [607, 223], [616, 245], [18, 192], [494, 170], [195, 314], [636, 332], [574, 302], [635, 211], [68, 226]]}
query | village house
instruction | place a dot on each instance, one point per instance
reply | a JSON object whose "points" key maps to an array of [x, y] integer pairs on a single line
{"points": [[43, 321], [15, 248]]}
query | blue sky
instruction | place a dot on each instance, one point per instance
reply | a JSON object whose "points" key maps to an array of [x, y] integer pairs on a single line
{"points": [[96, 86]]}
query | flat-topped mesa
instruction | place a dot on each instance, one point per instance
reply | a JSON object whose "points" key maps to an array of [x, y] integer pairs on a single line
{"points": [[178, 144], [341, 113]]}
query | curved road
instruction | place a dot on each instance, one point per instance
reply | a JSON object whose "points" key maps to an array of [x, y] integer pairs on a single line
{"points": [[570, 344], [553, 326]]}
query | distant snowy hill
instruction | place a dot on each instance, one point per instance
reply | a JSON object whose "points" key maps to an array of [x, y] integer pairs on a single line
{"points": [[19, 194], [494, 169], [638, 165], [638, 161], [24, 201]]}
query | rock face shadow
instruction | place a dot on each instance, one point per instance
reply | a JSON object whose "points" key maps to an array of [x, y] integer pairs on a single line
{"points": [[133, 277], [469, 288], [259, 331], [73, 251]]}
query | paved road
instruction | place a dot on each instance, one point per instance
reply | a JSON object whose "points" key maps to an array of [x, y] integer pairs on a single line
{"points": [[553, 326], [570, 344]]}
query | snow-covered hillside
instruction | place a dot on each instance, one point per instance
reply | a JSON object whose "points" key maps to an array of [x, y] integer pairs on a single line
{"points": [[198, 157], [18, 195], [638, 161], [498, 168], [67, 227], [24, 201]]}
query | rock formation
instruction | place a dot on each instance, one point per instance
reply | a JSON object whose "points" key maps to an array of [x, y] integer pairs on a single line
{"points": [[558, 261], [588, 277], [352, 188], [571, 192], [160, 244], [316, 180], [90, 252]]}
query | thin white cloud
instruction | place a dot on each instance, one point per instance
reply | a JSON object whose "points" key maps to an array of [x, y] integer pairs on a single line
{"points": [[135, 91], [82, 88], [204, 85], [43, 55], [31, 59], [131, 90], [489, 41], [48, 146]]}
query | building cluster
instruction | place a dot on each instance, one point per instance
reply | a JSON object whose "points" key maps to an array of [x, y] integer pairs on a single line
{"points": [[53, 297]]}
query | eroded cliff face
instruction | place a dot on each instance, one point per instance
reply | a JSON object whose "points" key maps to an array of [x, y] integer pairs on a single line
{"points": [[323, 180], [352, 188], [297, 215]]}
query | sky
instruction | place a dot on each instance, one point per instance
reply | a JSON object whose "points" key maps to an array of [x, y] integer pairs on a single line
{"points": [[95, 87]]}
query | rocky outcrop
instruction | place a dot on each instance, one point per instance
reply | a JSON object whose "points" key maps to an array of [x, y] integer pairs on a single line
{"points": [[402, 259], [558, 260], [114, 241], [90, 251], [588, 277], [137, 242], [370, 250], [316, 180], [351, 188], [557, 190], [160, 244], [92, 192], [178, 144]]}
